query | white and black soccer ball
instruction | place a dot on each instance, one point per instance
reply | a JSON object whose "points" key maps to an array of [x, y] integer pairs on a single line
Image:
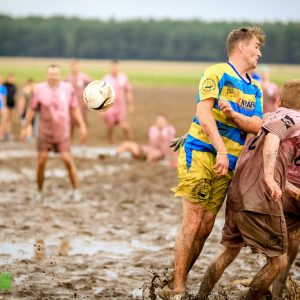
{"points": [[99, 95]]}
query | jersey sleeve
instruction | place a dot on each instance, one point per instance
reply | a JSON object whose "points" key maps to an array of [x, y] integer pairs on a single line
{"points": [[284, 127], [209, 85], [34, 102]]}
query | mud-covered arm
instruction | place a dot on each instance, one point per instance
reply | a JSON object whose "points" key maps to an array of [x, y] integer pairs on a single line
{"points": [[247, 124], [209, 126], [270, 151]]}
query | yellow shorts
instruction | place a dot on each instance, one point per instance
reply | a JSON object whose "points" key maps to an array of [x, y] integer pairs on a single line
{"points": [[199, 183]]}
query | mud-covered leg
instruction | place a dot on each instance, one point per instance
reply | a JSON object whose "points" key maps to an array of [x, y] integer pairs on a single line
{"points": [[280, 281]]}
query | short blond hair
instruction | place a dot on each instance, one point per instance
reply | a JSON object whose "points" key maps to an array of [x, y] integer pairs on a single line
{"points": [[290, 94], [244, 34]]}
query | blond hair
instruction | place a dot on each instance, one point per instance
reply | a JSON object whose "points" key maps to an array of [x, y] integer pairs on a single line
{"points": [[290, 94], [244, 34]]}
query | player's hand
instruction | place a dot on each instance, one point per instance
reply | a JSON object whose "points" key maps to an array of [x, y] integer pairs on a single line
{"points": [[83, 134], [178, 142], [221, 166], [226, 108], [276, 192]]}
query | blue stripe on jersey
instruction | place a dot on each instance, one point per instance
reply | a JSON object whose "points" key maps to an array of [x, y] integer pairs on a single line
{"points": [[234, 69], [194, 144], [232, 133]]}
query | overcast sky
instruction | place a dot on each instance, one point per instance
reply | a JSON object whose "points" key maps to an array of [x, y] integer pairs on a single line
{"points": [[210, 10]]}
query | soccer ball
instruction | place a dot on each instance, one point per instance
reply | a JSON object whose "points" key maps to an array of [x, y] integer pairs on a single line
{"points": [[99, 95]]}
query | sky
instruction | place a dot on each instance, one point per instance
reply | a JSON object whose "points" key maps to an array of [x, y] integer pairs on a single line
{"points": [[207, 10]]}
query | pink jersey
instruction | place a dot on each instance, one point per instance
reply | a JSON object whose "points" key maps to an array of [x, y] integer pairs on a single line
{"points": [[54, 105], [121, 85], [79, 82], [160, 138]]}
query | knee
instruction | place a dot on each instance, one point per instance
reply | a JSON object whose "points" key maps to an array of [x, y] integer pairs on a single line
{"points": [[192, 225], [280, 263], [42, 161], [67, 159]]}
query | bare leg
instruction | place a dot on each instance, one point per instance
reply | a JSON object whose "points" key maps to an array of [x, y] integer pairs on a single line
{"points": [[71, 167], [196, 226], [9, 116], [280, 281], [215, 271], [127, 131], [110, 135], [264, 278], [131, 147], [42, 160]]}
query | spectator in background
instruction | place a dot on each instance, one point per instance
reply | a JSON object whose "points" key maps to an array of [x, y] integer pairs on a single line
{"points": [[117, 114], [160, 135], [270, 91], [3, 93], [23, 104], [79, 81], [10, 104]]}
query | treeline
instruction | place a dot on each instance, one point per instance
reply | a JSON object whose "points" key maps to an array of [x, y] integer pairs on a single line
{"points": [[137, 39]]}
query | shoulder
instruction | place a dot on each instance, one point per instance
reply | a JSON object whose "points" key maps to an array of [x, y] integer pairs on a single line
{"points": [[40, 86], [217, 70], [221, 67]]}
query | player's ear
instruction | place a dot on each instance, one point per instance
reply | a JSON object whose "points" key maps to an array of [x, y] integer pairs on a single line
{"points": [[241, 46]]}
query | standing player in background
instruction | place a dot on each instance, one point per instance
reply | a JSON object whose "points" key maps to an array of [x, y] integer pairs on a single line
{"points": [[79, 81], [270, 91], [11, 88], [3, 94], [56, 100], [118, 114], [229, 106]]}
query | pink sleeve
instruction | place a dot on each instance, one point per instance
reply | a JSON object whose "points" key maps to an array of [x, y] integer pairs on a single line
{"points": [[35, 100], [87, 79], [168, 134], [153, 135]]}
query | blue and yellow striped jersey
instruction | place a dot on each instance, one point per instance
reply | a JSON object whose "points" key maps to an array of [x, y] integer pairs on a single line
{"points": [[223, 82]]}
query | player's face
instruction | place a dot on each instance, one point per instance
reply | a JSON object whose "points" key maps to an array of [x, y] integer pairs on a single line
{"points": [[251, 52], [74, 67], [161, 121], [53, 75]]}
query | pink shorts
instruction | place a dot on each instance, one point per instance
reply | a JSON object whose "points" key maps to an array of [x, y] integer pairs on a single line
{"points": [[115, 117], [46, 145]]}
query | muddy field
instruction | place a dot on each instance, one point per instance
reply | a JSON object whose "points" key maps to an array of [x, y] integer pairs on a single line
{"points": [[109, 245]]}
